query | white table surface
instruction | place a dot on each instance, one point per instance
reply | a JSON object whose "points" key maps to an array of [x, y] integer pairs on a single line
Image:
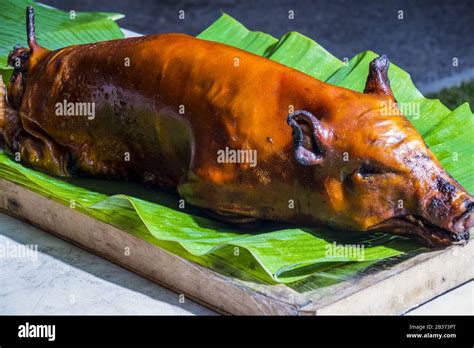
{"points": [[61, 278], [64, 279]]}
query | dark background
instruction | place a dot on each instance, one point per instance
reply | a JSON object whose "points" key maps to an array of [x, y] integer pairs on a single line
{"points": [[423, 43]]}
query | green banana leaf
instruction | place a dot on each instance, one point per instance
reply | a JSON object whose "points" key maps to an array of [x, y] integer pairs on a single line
{"points": [[280, 251], [274, 253]]}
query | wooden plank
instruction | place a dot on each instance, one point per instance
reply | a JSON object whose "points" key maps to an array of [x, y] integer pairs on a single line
{"points": [[201, 284], [399, 288], [391, 290]]}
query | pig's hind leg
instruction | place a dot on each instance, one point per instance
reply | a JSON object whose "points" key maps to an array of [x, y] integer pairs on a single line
{"points": [[29, 146]]}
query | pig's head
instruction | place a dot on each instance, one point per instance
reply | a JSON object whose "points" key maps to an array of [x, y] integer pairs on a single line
{"points": [[377, 172]]}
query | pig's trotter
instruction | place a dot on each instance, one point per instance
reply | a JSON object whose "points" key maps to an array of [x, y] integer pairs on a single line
{"points": [[235, 219]]}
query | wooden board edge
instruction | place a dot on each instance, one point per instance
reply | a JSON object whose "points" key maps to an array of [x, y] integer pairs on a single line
{"points": [[205, 286], [402, 287]]}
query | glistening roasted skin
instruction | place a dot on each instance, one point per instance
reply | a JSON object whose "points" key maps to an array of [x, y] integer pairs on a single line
{"points": [[180, 100]]}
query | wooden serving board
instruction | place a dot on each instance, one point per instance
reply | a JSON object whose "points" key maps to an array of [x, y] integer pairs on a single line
{"points": [[385, 288]]}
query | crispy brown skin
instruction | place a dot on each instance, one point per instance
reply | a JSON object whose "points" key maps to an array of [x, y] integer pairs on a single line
{"points": [[181, 100]]}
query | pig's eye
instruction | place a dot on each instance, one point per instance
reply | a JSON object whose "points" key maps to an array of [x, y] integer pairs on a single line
{"points": [[366, 170]]}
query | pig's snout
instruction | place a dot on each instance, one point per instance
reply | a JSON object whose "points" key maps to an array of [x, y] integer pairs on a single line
{"points": [[463, 223], [445, 213], [450, 208]]}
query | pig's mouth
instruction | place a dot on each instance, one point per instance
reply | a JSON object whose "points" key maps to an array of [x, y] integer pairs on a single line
{"points": [[422, 230]]}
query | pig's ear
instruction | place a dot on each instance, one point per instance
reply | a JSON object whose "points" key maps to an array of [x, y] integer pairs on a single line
{"points": [[377, 81], [309, 138]]}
